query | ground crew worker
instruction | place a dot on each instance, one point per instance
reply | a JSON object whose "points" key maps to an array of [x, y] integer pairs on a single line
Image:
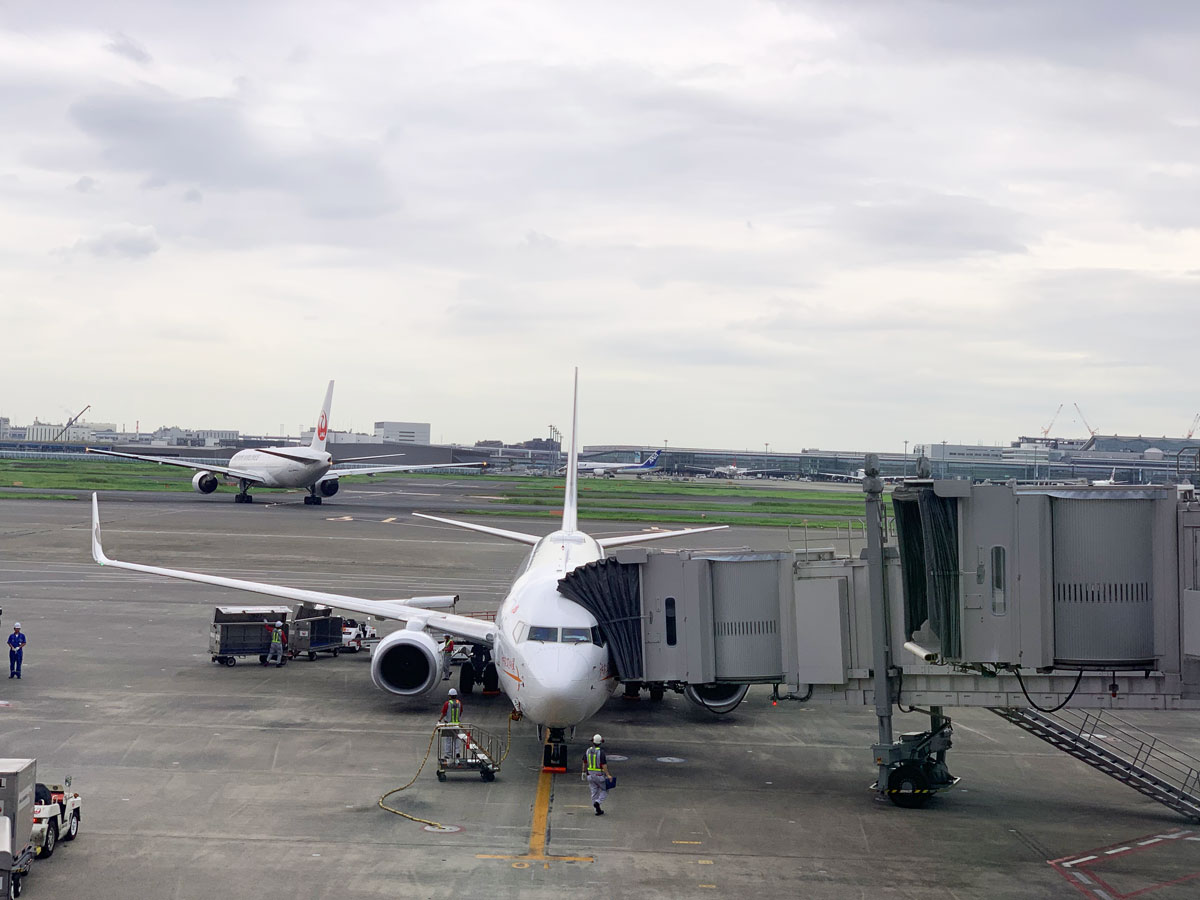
{"points": [[447, 653], [451, 715], [595, 772], [278, 640], [16, 651]]}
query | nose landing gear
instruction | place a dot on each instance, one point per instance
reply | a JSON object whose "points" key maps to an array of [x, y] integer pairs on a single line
{"points": [[554, 753]]}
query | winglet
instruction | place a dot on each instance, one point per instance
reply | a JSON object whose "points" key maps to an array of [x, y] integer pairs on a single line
{"points": [[97, 547], [322, 429], [570, 520]]}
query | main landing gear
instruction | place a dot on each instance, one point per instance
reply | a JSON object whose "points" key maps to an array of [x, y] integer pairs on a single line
{"points": [[243, 494], [312, 499]]}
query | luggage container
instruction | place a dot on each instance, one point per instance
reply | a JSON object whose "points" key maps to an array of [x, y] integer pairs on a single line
{"points": [[314, 629], [18, 780], [242, 631]]}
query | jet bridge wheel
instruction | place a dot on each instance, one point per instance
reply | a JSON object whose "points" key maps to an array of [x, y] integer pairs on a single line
{"points": [[908, 785]]}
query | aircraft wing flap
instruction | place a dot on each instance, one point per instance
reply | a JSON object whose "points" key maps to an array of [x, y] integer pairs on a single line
{"points": [[460, 626]]}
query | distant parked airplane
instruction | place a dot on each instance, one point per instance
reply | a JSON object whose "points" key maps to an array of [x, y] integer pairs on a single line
{"points": [[733, 470], [284, 467], [858, 475], [608, 469]]}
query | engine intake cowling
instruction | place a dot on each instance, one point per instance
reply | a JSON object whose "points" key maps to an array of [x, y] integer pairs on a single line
{"points": [[408, 663], [717, 698], [204, 482], [329, 488]]}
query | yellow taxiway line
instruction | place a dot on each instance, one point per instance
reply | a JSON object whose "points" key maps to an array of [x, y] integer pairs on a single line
{"points": [[539, 827]]}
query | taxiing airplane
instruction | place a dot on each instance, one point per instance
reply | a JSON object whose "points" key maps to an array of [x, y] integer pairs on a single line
{"points": [[544, 648], [858, 475], [598, 468], [733, 470], [308, 467]]}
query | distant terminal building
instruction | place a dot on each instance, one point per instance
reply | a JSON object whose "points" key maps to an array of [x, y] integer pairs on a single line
{"points": [[402, 432]]}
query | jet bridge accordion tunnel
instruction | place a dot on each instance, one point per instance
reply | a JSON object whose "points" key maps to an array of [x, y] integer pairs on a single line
{"points": [[705, 623]]}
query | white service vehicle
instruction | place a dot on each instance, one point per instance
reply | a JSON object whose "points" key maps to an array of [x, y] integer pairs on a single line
{"points": [[358, 635], [56, 811]]}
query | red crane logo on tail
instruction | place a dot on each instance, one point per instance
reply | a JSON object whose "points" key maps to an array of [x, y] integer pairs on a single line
{"points": [[322, 427]]}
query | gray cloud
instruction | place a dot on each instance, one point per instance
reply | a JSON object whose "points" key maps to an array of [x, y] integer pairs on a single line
{"points": [[123, 45], [209, 142], [121, 242], [85, 185]]}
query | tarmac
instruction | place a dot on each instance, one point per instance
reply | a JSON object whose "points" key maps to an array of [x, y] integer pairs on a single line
{"points": [[201, 781]]}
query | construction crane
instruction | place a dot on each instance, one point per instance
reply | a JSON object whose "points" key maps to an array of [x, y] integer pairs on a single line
{"points": [[71, 421], [1195, 425], [1053, 419], [1083, 419]]}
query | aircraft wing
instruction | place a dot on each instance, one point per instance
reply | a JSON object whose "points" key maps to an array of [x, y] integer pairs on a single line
{"points": [[335, 472], [452, 623], [167, 461], [652, 536]]}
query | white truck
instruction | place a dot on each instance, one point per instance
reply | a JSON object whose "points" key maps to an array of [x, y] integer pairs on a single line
{"points": [[56, 812]]}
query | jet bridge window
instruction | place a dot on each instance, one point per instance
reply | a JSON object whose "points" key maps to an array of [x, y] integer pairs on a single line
{"points": [[577, 635], [672, 634], [999, 580], [542, 633]]}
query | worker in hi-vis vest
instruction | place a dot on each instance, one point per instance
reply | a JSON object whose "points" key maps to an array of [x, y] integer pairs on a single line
{"points": [[278, 640], [595, 772], [451, 715]]}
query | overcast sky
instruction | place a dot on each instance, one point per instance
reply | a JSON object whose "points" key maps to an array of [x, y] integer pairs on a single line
{"points": [[808, 224]]}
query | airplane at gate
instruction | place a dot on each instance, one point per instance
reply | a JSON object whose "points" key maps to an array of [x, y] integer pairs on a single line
{"points": [[543, 648], [308, 467]]}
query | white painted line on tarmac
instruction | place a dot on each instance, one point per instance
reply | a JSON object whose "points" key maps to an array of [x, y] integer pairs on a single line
{"points": [[1118, 850], [1149, 842], [1080, 861]]}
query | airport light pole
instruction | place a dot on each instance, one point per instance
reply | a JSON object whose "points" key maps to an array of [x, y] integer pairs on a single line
{"points": [[881, 651], [906, 459]]}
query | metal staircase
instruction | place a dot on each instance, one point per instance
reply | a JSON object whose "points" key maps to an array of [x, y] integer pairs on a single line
{"points": [[1127, 753]]}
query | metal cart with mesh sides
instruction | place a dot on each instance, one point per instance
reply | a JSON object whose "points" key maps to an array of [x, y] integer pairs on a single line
{"points": [[314, 629], [242, 631], [468, 747]]}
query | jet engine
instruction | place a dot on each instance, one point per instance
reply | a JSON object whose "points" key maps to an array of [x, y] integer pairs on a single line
{"points": [[717, 698], [329, 488], [204, 482], [407, 662]]}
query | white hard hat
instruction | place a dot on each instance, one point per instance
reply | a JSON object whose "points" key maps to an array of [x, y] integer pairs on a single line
{"points": [[278, 624], [16, 625], [596, 739], [453, 692]]}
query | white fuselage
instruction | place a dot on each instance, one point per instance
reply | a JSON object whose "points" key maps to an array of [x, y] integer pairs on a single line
{"points": [[280, 472], [545, 651]]}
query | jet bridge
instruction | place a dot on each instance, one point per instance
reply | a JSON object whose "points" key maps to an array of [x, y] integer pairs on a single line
{"points": [[1002, 596]]}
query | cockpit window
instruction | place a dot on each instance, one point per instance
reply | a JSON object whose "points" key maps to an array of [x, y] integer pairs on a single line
{"points": [[542, 633], [577, 635]]}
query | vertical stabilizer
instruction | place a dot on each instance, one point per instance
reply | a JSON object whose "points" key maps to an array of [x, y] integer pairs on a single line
{"points": [[322, 430], [570, 520]]}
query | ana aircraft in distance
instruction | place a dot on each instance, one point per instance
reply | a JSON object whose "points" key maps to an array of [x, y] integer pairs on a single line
{"points": [[547, 650], [308, 467], [606, 469]]}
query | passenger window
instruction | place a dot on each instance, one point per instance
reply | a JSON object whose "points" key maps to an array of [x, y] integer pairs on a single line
{"points": [[672, 635], [542, 633], [576, 635], [999, 582]]}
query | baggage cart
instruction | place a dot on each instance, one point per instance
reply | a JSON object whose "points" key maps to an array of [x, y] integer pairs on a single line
{"points": [[18, 780], [314, 630], [468, 747], [239, 631]]}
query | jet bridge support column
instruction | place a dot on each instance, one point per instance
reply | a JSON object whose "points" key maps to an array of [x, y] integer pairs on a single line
{"points": [[881, 660]]}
